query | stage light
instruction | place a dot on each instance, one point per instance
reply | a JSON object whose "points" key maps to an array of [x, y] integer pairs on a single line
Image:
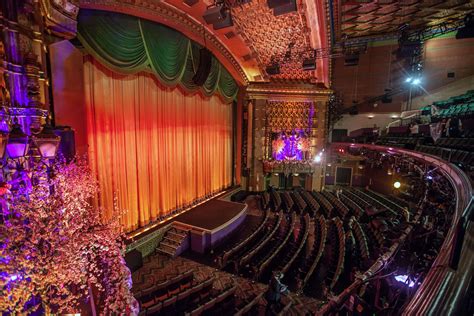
{"points": [[416, 81], [296, 174], [317, 158], [404, 279], [409, 79], [397, 185]]}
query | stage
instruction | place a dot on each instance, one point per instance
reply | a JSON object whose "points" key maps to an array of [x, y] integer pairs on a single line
{"points": [[211, 221]]}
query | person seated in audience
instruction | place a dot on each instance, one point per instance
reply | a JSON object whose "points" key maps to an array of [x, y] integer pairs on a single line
{"points": [[274, 292]]}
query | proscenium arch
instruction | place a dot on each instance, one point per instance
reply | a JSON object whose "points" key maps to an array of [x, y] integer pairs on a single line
{"points": [[181, 22]]}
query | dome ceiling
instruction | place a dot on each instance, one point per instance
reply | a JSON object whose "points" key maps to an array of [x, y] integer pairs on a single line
{"points": [[256, 39]]}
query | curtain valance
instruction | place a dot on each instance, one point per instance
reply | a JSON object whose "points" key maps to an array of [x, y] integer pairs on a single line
{"points": [[128, 44]]}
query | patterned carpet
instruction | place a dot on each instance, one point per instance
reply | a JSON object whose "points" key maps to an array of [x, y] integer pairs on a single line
{"points": [[158, 268]]}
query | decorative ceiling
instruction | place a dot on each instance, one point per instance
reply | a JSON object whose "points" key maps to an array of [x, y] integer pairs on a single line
{"points": [[255, 38], [362, 18], [284, 39]]}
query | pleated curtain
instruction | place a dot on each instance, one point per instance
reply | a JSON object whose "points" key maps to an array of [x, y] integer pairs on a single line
{"points": [[128, 45], [154, 147]]}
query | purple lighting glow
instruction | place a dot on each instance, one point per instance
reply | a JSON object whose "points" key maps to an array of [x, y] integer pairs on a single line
{"points": [[290, 146], [403, 279]]}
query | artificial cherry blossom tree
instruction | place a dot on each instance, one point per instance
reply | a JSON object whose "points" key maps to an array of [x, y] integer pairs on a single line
{"points": [[56, 252]]}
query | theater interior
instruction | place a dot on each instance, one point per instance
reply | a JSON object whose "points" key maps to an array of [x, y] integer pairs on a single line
{"points": [[236, 157]]}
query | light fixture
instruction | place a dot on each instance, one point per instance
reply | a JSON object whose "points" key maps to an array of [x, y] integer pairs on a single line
{"points": [[408, 80], [296, 174], [317, 158], [371, 116], [17, 145], [47, 142], [416, 81], [397, 185]]}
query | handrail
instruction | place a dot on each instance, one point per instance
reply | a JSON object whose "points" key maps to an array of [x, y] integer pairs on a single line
{"points": [[443, 288]]}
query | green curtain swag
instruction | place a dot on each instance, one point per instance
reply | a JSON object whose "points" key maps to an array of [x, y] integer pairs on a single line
{"points": [[127, 44]]}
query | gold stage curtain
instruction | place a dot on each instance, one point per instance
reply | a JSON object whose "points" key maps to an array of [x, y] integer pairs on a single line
{"points": [[156, 147]]}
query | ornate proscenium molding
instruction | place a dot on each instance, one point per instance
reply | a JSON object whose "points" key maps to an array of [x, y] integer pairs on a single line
{"points": [[60, 17], [288, 167], [168, 15], [295, 92]]}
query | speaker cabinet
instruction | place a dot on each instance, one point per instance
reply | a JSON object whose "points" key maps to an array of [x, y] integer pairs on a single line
{"points": [[204, 68]]}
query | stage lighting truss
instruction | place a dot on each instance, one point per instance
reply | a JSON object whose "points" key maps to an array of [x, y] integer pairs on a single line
{"points": [[304, 56]]}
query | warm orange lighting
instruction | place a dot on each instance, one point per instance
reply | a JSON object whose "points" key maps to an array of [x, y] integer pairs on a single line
{"points": [[397, 185]]}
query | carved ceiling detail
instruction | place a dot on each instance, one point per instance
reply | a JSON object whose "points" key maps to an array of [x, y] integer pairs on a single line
{"points": [[370, 18], [270, 37]]}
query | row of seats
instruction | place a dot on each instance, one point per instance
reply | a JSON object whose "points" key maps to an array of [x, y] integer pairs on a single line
{"points": [[326, 206], [355, 208], [337, 237], [299, 202], [310, 264], [174, 296], [313, 205], [361, 239], [388, 203], [252, 252], [287, 200], [276, 199], [296, 247], [463, 157], [242, 245], [262, 259], [220, 304], [339, 207], [456, 143]]}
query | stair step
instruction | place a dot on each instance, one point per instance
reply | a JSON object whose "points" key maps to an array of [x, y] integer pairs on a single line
{"points": [[176, 234], [170, 240], [165, 252], [173, 246]]}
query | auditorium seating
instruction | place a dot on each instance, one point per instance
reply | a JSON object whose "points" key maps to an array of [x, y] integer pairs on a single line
{"points": [[287, 201], [276, 199], [262, 258], [339, 207], [299, 202], [313, 206], [271, 232], [242, 245], [310, 264], [326, 206]]}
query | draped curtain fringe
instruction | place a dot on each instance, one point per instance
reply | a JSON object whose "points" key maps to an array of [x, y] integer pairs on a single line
{"points": [[127, 44]]}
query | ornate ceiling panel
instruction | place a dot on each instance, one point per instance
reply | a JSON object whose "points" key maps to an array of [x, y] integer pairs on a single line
{"points": [[285, 38], [360, 18]]}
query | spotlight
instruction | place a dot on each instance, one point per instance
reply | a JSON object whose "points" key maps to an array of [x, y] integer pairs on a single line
{"points": [[409, 79], [397, 185], [214, 13], [317, 158], [416, 81], [404, 279]]}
